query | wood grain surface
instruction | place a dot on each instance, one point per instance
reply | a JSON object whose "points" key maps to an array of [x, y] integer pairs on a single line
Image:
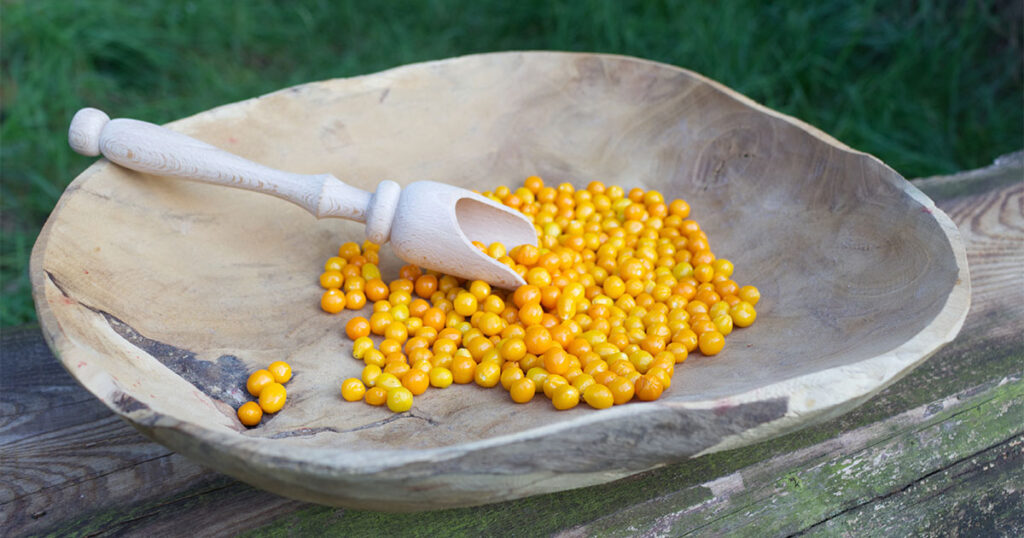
{"points": [[938, 453]]}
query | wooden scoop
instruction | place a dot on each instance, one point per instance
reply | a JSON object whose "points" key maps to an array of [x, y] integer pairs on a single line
{"points": [[429, 224]]}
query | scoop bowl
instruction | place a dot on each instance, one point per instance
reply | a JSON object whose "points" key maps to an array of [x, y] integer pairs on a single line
{"points": [[435, 225]]}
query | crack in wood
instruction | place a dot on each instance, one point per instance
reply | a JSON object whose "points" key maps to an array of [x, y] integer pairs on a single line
{"points": [[154, 510], [302, 432], [83, 479], [126, 403], [963, 460], [392, 418], [222, 380]]}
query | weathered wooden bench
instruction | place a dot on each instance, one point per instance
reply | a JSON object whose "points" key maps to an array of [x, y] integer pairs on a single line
{"points": [[940, 452]]}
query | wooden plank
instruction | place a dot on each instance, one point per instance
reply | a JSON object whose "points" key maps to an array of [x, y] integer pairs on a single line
{"points": [[123, 483], [800, 491], [63, 454], [787, 493], [979, 496]]}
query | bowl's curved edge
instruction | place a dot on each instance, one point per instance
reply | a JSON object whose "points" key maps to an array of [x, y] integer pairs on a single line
{"points": [[810, 397], [53, 333], [822, 395], [822, 400]]}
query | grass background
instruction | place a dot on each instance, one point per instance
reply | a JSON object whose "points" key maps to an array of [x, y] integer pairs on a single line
{"points": [[929, 87]]}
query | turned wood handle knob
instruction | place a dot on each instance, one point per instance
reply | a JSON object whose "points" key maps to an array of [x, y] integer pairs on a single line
{"points": [[84, 133]]}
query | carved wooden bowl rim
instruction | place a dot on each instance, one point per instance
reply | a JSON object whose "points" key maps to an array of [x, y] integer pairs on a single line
{"points": [[461, 474]]}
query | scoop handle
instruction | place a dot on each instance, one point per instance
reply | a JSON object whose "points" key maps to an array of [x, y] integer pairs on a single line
{"points": [[156, 150]]}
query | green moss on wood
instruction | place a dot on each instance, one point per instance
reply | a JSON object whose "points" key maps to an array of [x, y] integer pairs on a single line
{"points": [[815, 492], [979, 496], [800, 499]]}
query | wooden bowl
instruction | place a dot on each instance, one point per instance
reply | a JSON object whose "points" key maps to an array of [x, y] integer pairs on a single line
{"points": [[161, 295]]}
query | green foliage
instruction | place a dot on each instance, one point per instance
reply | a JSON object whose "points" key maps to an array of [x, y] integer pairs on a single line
{"points": [[928, 87]]}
